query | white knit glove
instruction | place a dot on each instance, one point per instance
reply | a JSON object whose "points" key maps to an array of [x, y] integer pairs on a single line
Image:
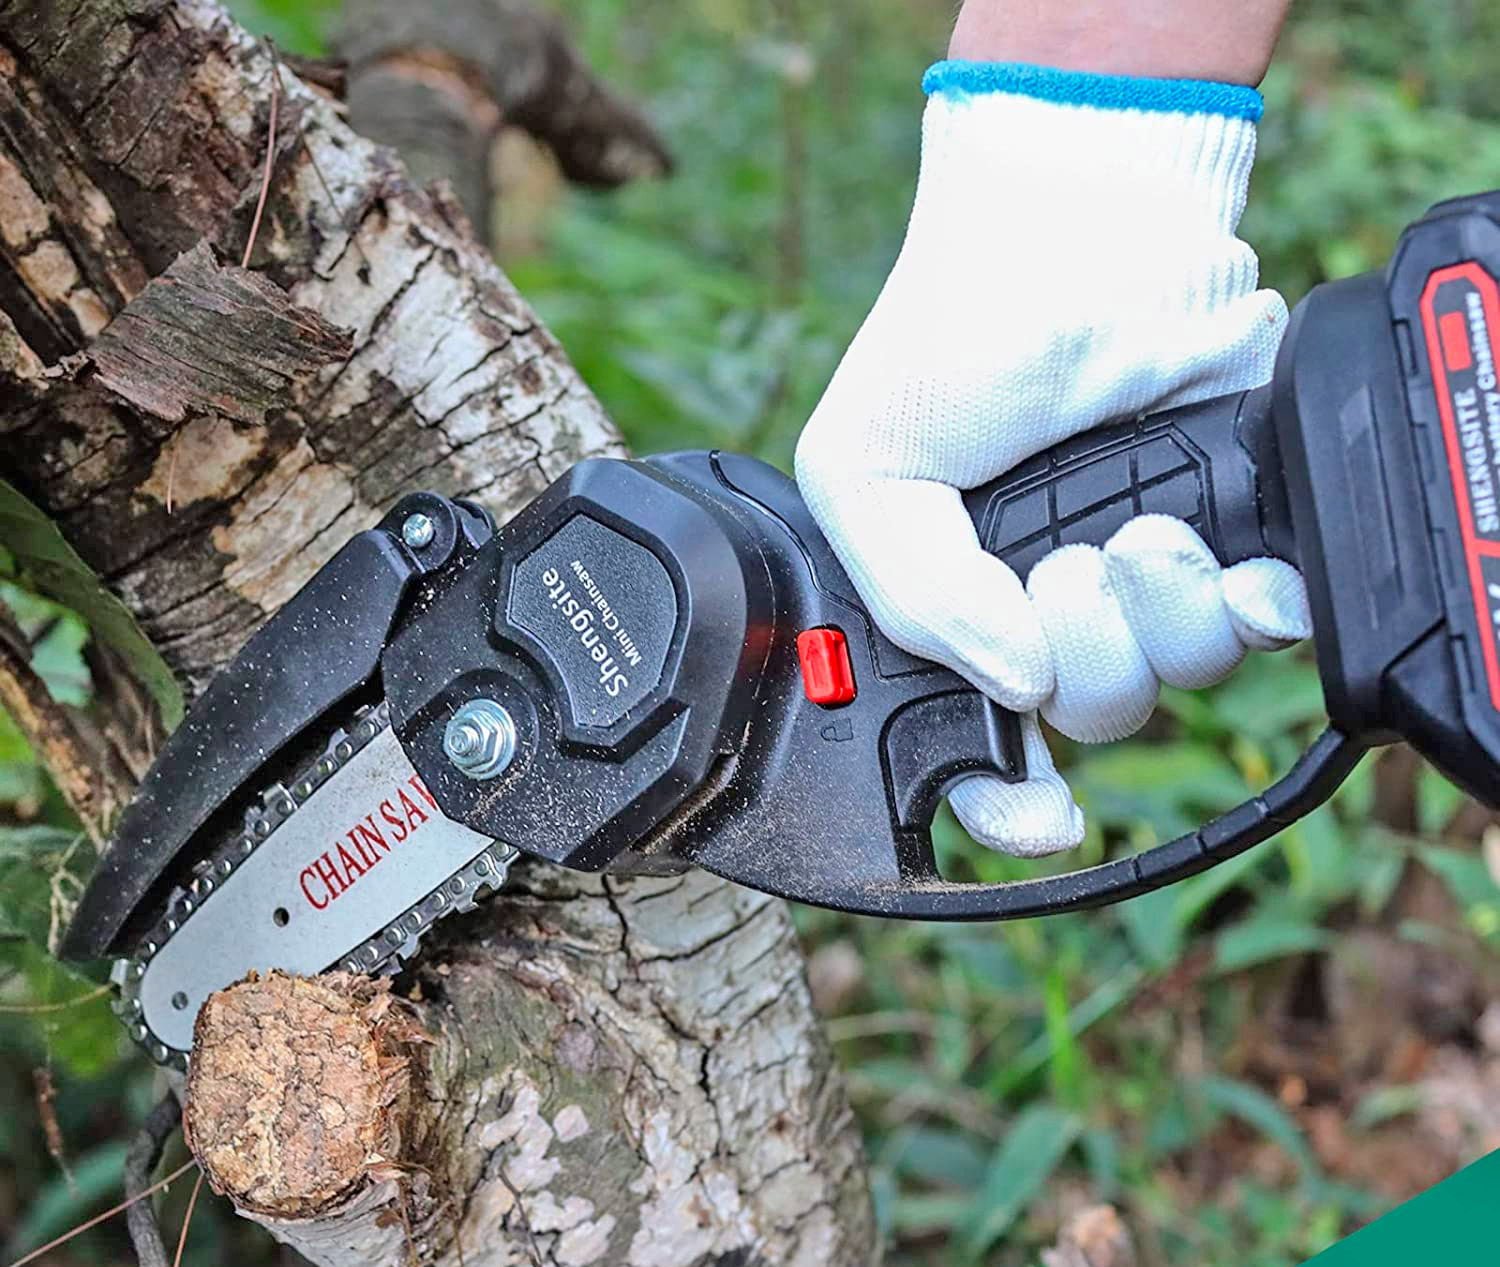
{"points": [[1071, 259]]}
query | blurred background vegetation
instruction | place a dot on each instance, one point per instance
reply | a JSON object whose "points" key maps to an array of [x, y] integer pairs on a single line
{"points": [[1247, 1065]]}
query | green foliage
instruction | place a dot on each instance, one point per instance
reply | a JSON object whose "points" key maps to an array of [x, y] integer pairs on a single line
{"points": [[49, 565], [52, 1016], [22, 784], [1031, 1151], [682, 307], [95, 1182], [298, 26], [710, 309], [56, 637], [31, 857]]}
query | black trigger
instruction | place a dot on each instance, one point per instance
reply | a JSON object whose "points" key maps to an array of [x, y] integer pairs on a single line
{"points": [[934, 741]]}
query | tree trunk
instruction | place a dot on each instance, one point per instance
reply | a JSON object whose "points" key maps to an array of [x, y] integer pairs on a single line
{"points": [[587, 1069]]}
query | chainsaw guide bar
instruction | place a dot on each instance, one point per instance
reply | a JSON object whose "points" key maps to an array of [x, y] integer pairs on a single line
{"points": [[187, 955]]}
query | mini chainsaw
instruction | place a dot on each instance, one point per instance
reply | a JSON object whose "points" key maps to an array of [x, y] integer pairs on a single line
{"points": [[660, 664]]}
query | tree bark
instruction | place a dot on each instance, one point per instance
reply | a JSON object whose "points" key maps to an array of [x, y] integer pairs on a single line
{"points": [[588, 1069], [438, 82]]}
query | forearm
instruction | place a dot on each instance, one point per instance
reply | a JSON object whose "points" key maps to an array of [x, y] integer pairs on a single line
{"points": [[1229, 41]]}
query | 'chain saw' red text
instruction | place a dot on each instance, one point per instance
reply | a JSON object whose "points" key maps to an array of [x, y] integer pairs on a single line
{"points": [[336, 869]]}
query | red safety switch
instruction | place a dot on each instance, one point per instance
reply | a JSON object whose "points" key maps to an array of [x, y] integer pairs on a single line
{"points": [[827, 676]]}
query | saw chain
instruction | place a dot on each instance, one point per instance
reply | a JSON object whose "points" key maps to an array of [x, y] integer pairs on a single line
{"points": [[273, 809]]}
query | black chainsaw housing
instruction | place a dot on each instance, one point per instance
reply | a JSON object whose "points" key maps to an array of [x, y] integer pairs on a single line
{"points": [[1384, 492], [639, 622], [724, 741]]}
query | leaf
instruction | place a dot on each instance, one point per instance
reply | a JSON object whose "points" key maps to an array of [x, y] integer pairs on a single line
{"points": [[97, 1176], [1465, 874], [30, 858], [883, 1194], [892, 1075], [1382, 873], [1325, 864], [939, 1157], [1168, 785], [923, 1214], [1438, 800], [1155, 935], [1101, 1153], [1269, 695], [1258, 1110], [1356, 795], [82, 1038], [952, 1043], [56, 570], [1032, 1149], [1266, 937], [1066, 1066], [988, 961], [31, 842], [1116, 990], [298, 26], [1172, 1127], [57, 637], [58, 661], [1385, 1103], [21, 783]]}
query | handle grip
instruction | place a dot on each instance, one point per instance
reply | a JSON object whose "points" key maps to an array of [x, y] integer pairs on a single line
{"points": [[1201, 463], [1198, 463]]}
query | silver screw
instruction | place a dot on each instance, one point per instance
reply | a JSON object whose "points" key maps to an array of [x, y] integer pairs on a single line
{"points": [[418, 531], [480, 739]]}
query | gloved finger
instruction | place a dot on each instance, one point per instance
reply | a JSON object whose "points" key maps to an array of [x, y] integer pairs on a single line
{"points": [[1170, 588], [1103, 685], [1029, 819], [1267, 603], [911, 551]]}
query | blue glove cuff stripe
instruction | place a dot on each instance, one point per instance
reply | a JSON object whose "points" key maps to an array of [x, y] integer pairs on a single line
{"points": [[1108, 92]]}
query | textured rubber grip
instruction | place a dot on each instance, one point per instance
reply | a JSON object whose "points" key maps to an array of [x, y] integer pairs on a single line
{"points": [[1199, 463]]}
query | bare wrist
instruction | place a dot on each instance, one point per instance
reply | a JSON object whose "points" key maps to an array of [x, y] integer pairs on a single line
{"points": [[1227, 41]]}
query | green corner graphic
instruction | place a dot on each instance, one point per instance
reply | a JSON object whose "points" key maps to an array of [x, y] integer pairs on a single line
{"points": [[1458, 1217]]}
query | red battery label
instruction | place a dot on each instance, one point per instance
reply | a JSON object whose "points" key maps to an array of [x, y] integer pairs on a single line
{"points": [[1460, 316]]}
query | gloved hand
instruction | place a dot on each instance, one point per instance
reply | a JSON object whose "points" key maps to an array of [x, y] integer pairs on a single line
{"points": [[1071, 259]]}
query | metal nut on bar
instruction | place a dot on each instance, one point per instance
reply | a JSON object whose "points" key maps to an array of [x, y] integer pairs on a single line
{"points": [[480, 739]]}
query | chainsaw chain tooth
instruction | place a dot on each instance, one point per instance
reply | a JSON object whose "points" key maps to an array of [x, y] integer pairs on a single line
{"points": [[383, 953], [401, 938]]}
